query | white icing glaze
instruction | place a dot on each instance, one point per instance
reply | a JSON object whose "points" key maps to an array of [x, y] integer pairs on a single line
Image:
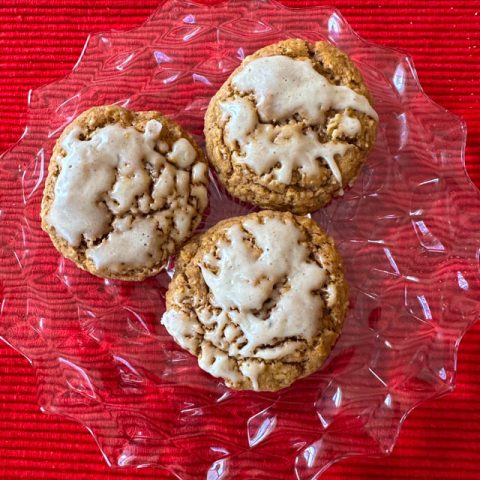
{"points": [[218, 364], [280, 149], [247, 278], [152, 130], [182, 327], [182, 221], [284, 87], [252, 370], [122, 224], [164, 186], [199, 172], [350, 126], [280, 351], [344, 125], [77, 210], [108, 176], [200, 193], [137, 246], [331, 295], [183, 154], [242, 120]]}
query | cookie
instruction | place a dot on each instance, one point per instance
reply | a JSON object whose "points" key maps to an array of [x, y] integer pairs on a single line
{"points": [[124, 190], [259, 299], [291, 127]]}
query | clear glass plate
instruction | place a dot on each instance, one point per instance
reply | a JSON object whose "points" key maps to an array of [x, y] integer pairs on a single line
{"points": [[408, 231]]}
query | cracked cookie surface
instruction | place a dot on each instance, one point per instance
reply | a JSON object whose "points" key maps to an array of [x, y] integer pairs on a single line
{"points": [[291, 127], [259, 299], [124, 190]]}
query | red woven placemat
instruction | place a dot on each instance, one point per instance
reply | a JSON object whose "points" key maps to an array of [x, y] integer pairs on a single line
{"points": [[41, 40]]}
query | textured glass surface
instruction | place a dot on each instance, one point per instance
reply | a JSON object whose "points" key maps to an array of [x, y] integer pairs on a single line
{"points": [[408, 231]]}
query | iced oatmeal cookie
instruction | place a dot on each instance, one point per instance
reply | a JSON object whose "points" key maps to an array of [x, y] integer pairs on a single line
{"points": [[291, 126], [259, 299], [124, 190]]}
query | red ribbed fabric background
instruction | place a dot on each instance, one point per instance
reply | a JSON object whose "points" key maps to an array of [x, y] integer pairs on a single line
{"points": [[40, 41]]}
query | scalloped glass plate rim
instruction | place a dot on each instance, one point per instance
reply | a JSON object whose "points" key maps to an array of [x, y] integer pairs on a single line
{"points": [[413, 72]]}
